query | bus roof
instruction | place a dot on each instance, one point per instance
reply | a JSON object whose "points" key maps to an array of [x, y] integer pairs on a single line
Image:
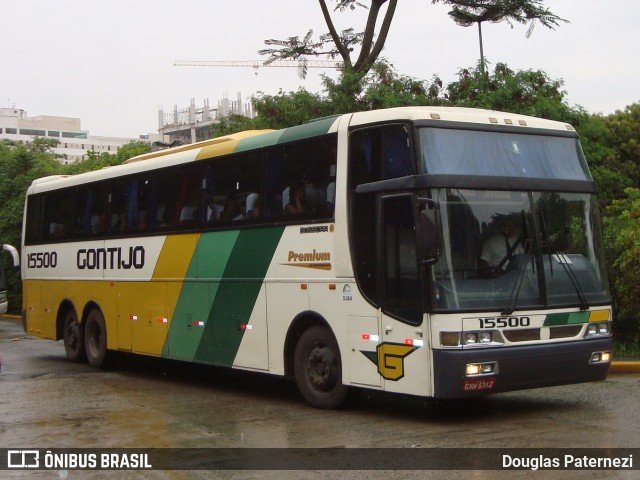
{"points": [[457, 114]]}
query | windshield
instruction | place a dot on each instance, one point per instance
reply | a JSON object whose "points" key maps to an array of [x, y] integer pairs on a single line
{"points": [[501, 153], [511, 250]]}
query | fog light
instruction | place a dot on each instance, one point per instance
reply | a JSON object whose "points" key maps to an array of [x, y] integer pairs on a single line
{"points": [[600, 357], [470, 338], [472, 369], [449, 339]]}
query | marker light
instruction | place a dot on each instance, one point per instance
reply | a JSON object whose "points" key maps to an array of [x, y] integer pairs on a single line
{"points": [[449, 339]]}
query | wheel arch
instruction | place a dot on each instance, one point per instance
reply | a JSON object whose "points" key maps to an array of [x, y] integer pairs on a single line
{"points": [[91, 304], [65, 305], [302, 322]]}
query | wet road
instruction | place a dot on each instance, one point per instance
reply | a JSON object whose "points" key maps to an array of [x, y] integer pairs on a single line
{"points": [[49, 402]]}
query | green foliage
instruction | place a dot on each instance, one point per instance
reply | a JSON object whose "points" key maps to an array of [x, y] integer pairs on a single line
{"points": [[289, 109], [20, 165], [622, 238], [528, 92]]}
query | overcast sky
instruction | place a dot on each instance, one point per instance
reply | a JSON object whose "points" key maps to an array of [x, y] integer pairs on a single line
{"points": [[110, 63]]}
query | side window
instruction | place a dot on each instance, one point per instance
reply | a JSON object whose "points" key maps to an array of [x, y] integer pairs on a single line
{"points": [[91, 211], [300, 180], [60, 216], [231, 190], [380, 153], [35, 221]]}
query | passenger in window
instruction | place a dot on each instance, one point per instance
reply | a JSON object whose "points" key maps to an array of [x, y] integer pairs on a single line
{"points": [[252, 205], [189, 212], [213, 212], [297, 204], [232, 211]]}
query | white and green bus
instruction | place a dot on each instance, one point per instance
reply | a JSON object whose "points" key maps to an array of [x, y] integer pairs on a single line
{"points": [[440, 252], [4, 299]]}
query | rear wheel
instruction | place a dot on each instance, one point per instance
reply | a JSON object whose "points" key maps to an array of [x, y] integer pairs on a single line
{"points": [[95, 338], [318, 368], [73, 337]]}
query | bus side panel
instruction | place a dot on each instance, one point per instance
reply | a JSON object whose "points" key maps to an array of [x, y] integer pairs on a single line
{"points": [[285, 301], [253, 352], [219, 296], [237, 295], [33, 308]]}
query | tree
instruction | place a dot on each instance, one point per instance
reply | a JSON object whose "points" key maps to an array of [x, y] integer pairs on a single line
{"points": [[467, 12], [528, 92], [622, 238], [19, 166], [334, 44]]}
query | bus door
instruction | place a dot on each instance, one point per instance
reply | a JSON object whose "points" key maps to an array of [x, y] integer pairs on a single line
{"points": [[403, 354]]}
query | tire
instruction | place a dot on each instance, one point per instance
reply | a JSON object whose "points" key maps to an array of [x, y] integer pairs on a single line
{"points": [[73, 337], [95, 338], [318, 369]]}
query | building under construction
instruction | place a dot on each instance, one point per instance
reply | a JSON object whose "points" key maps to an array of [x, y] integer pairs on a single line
{"points": [[194, 124]]}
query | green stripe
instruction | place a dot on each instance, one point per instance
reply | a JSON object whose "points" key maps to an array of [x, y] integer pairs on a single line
{"points": [[236, 295], [200, 286], [554, 319], [311, 129], [259, 141]]}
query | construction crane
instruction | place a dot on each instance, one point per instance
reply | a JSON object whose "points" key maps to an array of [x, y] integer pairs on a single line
{"points": [[256, 64]]}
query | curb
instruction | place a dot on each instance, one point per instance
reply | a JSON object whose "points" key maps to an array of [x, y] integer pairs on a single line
{"points": [[624, 367]]}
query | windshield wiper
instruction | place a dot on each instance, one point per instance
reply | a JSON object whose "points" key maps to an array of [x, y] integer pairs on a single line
{"points": [[515, 291], [564, 261]]}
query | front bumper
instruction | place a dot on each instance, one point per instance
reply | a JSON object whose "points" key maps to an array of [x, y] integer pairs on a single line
{"points": [[519, 368]]}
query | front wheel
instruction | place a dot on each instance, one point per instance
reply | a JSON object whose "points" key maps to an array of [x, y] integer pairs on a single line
{"points": [[73, 337], [318, 368], [95, 338]]}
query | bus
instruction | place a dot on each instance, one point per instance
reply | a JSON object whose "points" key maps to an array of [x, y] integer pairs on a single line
{"points": [[354, 251], [4, 300]]}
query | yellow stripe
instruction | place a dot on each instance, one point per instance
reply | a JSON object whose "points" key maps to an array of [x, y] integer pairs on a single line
{"points": [[599, 316], [227, 144]]}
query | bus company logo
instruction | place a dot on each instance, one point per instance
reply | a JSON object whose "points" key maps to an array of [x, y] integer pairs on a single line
{"points": [[23, 459], [113, 258], [389, 357], [347, 295], [313, 259]]}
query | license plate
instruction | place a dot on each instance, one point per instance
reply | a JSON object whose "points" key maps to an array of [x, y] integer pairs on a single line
{"points": [[478, 384]]}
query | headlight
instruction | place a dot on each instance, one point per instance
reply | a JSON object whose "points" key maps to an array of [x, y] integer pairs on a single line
{"points": [[470, 338], [598, 328], [485, 337]]}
